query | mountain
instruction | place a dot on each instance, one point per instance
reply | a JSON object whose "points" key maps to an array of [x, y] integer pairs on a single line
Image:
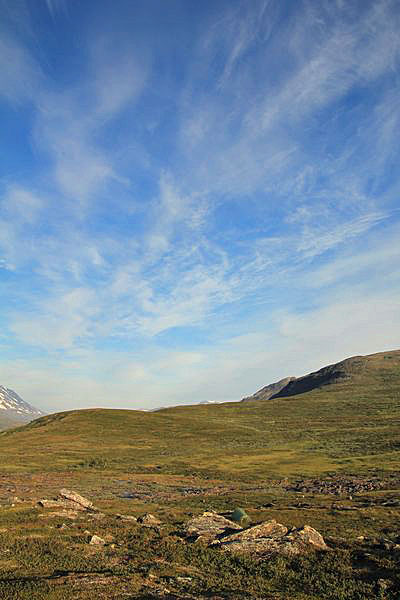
{"points": [[352, 370], [14, 410], [347, 421], [269, 390]]}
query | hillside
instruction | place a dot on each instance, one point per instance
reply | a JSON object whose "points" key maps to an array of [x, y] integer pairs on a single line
{"points": [[269, 390], [323, 463], [349, 424], [355, 370]]}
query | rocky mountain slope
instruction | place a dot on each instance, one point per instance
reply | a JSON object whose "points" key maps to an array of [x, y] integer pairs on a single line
{"points": [[351, 370], [14, 410], [269, 390]]}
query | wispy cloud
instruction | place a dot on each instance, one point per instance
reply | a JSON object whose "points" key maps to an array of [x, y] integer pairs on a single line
{"points": [[55, 6], [243, 191], [20, 72]]}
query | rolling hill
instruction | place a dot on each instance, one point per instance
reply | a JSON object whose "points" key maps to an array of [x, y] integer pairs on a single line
{"points": [[344, 418]]}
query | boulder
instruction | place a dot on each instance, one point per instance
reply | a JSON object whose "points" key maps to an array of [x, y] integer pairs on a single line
{"points": [[77, 498], [268, 529], [271, 538], [67, 504], [209, 526], [303, 539]]}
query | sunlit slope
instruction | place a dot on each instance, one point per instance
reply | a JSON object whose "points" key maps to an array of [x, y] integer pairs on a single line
{"points": [[351, 425]]}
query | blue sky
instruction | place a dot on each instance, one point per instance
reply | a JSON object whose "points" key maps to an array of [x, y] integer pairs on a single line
{"points": [[196, 198]]}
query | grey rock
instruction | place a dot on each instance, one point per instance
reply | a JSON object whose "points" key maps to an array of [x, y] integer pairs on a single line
{"points": [[77, 498], [209, 526], [61, 504], [272, 538]]}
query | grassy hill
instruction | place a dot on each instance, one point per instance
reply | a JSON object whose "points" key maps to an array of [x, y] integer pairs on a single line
{"points": [[179, 462], [350, 423]]}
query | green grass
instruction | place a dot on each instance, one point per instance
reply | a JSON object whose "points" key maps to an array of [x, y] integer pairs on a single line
{"points": [[349, 426], [234, 454], [41, 561]]}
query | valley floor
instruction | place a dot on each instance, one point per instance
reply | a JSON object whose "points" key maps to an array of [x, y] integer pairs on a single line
{"points": [[46, 554]]}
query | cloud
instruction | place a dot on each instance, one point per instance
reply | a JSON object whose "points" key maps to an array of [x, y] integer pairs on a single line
{"points": [[21, 205], [257, 134], [60, 321], [318, 239], [119, 73], [243, 193], [20, 73], [293, 344], [56, 6]]}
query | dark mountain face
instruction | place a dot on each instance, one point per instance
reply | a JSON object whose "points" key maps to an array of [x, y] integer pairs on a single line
{"points": [[373, 368], [269, 390]]}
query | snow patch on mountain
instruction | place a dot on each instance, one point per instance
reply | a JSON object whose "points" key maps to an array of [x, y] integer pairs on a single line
{"points": [[11, 402]]}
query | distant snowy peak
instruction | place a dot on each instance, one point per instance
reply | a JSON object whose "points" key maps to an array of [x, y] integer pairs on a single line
{"points": [[11, 402]]}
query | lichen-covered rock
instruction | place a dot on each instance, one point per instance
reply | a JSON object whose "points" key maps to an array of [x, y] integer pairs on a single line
{"points": [[77, 498], [268, 529], [306, 538], [271, 538], [209, 526], [60, 503]]}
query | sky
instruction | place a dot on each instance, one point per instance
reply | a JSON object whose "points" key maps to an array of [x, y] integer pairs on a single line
{"points": [[196, 198]]}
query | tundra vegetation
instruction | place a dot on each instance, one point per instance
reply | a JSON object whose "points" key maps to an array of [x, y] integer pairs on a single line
{"points": [[327, 458]]}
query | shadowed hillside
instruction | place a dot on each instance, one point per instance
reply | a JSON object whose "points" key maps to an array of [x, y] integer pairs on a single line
{"points": [[358, 370], [269, 390], [352, 423]]}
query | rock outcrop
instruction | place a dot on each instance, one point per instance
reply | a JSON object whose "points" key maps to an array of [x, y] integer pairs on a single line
{"points": [[68, 505], [77, 499], [263, 540], [209, 526], [271, 538]]}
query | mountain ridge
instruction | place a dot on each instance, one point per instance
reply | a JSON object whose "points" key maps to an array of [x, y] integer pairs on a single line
{"points": [[268, 391], [14, 410], [348, 369]]}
